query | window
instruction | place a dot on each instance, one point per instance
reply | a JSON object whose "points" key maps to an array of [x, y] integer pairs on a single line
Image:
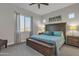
{"points": [[25, 23], [17, 24], [21, 23]]}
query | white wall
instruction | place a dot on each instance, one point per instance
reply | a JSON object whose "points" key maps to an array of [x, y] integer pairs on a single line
{"points": [[8, 21], [64, 14]]}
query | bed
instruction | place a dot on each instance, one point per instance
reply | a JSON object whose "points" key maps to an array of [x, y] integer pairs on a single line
{"points": [[48, 44]]}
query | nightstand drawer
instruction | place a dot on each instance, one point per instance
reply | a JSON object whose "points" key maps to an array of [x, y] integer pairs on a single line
{"points": [[72, 40]]}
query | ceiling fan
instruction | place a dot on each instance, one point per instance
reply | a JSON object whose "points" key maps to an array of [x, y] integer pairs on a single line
{"points": [[39, 4]]}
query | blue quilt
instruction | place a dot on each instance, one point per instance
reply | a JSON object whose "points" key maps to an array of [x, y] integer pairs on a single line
{"points": [[57, 40]]}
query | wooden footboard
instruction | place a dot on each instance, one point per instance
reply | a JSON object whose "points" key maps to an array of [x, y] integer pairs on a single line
{"points": [[43, 48]]}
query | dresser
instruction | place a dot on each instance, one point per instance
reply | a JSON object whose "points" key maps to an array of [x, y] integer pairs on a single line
{"points": [[73, 40]]}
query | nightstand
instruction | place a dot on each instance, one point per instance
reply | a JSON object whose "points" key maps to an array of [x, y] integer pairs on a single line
{"points": [[73, 40]]}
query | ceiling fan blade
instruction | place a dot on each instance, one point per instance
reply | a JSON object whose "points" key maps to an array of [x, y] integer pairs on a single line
{"points": [[32, 3], [44, 3]]}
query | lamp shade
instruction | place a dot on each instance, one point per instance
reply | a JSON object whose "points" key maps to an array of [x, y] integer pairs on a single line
{"points": [[73, 27]]}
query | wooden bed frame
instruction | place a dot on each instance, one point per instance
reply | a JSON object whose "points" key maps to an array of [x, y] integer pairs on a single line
{"points": [[43, 47]]}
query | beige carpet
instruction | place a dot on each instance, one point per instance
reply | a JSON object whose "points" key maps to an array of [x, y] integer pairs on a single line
{"points": [[67, 50], [23, 50]]}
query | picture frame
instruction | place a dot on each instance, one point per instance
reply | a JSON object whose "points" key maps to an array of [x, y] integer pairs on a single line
{"points": [[55, 18]]}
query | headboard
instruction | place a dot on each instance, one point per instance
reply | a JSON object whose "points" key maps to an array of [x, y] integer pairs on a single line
{"points": [[56, 27]]}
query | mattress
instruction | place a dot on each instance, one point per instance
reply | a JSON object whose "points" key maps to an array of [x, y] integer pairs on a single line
{"points": [[46, 38]]}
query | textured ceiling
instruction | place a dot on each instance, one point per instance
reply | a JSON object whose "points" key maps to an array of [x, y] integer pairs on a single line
{"points": [[43, 9]]}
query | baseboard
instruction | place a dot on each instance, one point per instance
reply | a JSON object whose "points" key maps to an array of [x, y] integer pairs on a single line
{"points": [[15, 44], [10, 43]]}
